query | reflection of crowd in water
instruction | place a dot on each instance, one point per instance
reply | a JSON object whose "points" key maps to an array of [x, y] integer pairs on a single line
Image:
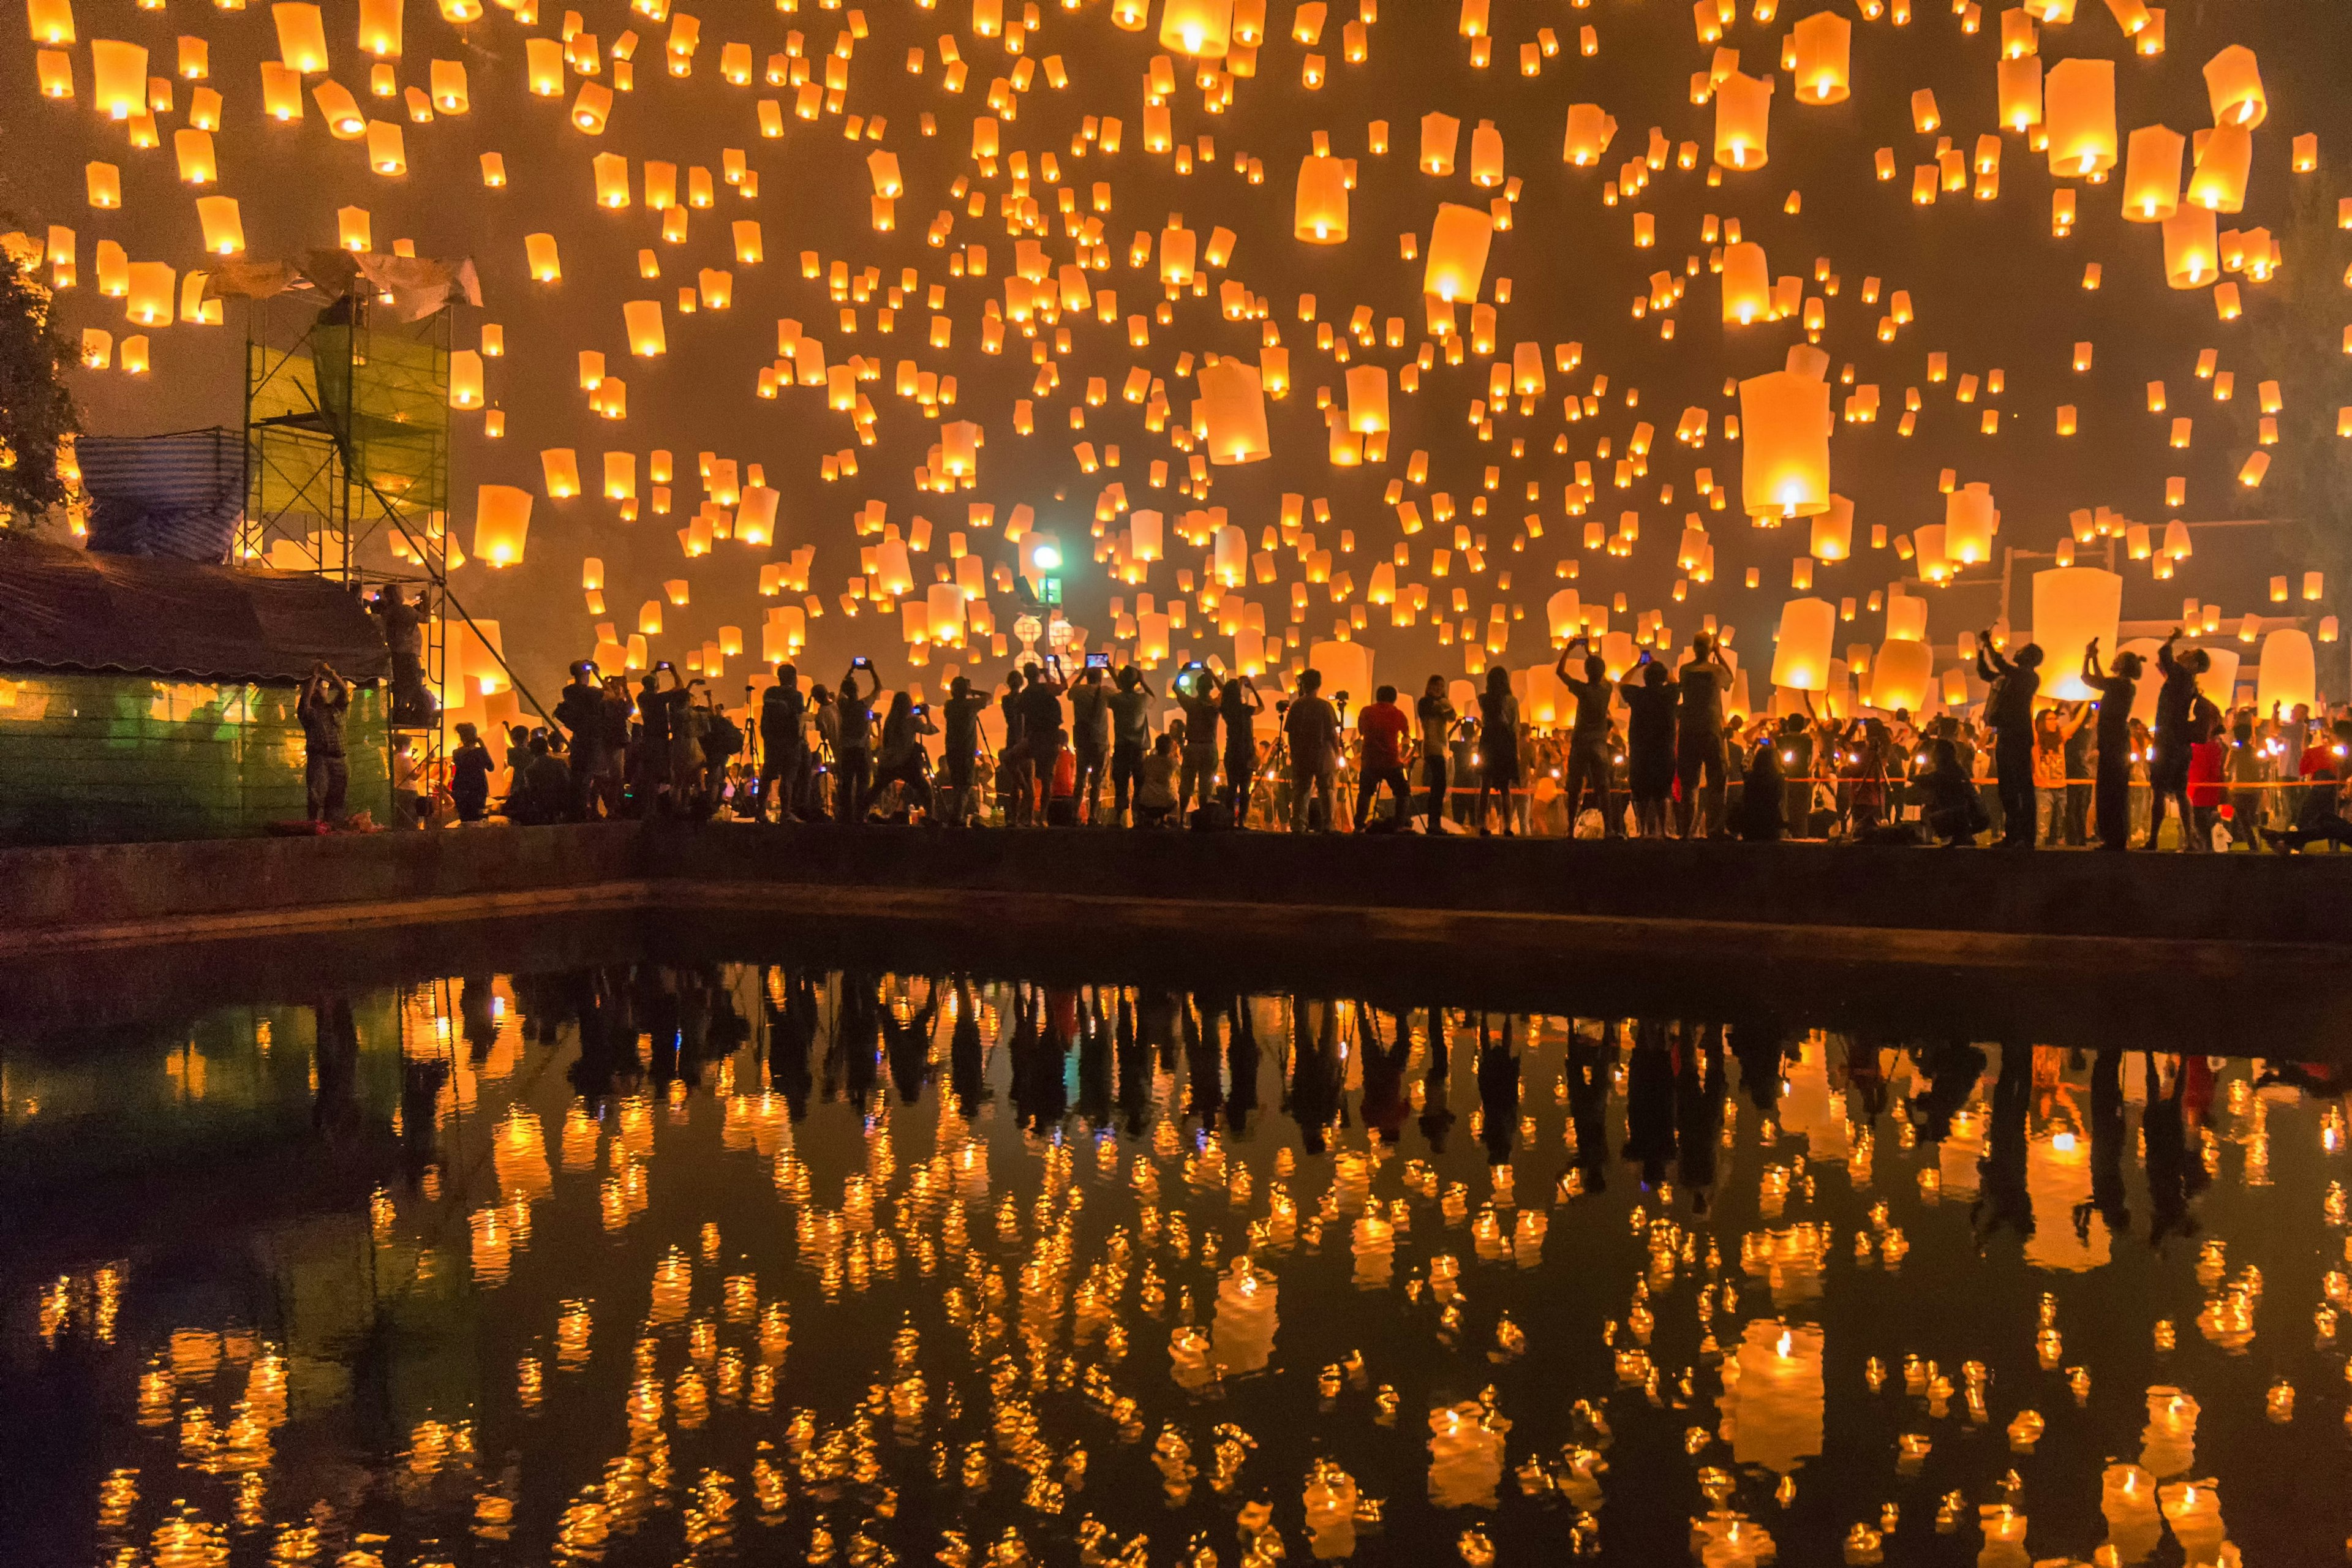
{"points": [[1347, 1070], [1655, 753]]}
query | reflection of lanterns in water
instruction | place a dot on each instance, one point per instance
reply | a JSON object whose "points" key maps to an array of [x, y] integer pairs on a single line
{"points": [[1246, 1319], [2193, 1510], [1773, 1395], [1465, 1454], [1331, 1502], [2169, 1442]]}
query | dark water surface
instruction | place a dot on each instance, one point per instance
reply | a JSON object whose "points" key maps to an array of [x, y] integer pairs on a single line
{"points": [[661, 1263]]}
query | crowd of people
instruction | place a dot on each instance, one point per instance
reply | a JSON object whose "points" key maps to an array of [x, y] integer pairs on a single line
{"points": [[1653, 754]]}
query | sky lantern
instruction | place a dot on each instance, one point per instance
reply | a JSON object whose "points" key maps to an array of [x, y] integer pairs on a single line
{"points": [[224, 229], [118, 77], [502, 521], [1746, 283], [1201, 28], [1743, 109], [642, 320], [387, 151], [1590, 131], [1458, 242], [1832, 532], [1801, 658], [301, 37], [2219, 182], [2234, 85], [465, 379], [2152, 173], [1899, 674], [2192, 250], [2072, 605], [1485, 154], [1320, 210], [1235, 404], [1970, 520], [52, 21], [1368, 399], [150, 300], [345, 121], [560, 470], [2019, 86], [2289, 672], [1785, 424], [1823, 47], [1440, 134], [380, 28], [2078, 103], [193, 151]]}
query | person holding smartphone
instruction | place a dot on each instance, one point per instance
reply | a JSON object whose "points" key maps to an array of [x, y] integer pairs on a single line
{"points": [[853, 741], [1041, 725], [1090, 735]]}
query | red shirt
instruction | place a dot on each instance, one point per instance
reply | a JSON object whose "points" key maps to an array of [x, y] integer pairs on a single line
{"points": [[1383, 726]]}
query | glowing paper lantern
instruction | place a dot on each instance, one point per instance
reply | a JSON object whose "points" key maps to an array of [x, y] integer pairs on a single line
{"points": [[118, 77], [387, 151], [1368, 399], [1590, 132], [151, 297], [1899, 674], [1833, 531], [1969, 524], [2079, 116], [224, 229], [2234, 85], [539, 256], [642, 320], [502, 519], [1785, 424], [1906, 618], [755, 519], [1440, 134], [2193, 249], [1458, 242], [2219, 182], [1234, 402], [1823, 45], [2072, 604], [2220, 681], [2020, 92], [1320, 210], [1743, 107], [1201, 28], [2152, 175], [465, 379], [2289, 673], [52, 21], [1746, 283], [379, 27], [301, 37], [1801, 660]]}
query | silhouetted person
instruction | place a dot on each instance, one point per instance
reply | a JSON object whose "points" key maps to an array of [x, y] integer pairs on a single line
{"points": [[1649, 693], [1589, 1064], [791, 1032], [2167, 762], [1204, 1065], [2010, 710], [1698, 1112], [1760, 1046], [1315, 1071], [1649, 1102], [1498, 1089], [1385, 1104], [1095, 1064], [1436, 1113], [335, 1058], [1242, 1054], [1134, 1071], [2111, 792], [2106, 1131], [2175, 1172], [2002, 1200], [1952, 1069], [1587, 740], [908, 1047], [1762, 786], [967, 1058], [1704, 681]]}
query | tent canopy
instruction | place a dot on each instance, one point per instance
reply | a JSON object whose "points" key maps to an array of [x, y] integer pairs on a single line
{"points": [[67, 609]]}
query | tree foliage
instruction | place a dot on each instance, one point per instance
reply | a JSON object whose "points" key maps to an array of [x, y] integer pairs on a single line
{"points": [[37, 411]]}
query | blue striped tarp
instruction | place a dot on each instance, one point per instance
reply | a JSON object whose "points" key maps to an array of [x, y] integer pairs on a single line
{"points": [[178, 495]]}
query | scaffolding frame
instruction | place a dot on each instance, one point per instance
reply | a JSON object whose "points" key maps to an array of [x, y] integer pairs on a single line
{"points": [[347, 437]]}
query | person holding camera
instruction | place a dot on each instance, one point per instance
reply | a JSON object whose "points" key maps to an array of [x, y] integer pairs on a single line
{"points": [[1311, 727], [902, 759], [1498, 750], [1130, 727], [1436, 714], [1587, 741], [1040, 724], [1238, 704], [1381, 730], [325, 701], [1199, 693], [853, 741], [960, 751], [783, 746], [1090, 736], [581, 711]]}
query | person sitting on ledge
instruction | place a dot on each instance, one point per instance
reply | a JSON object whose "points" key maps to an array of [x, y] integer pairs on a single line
{"points": [[1949, 810]]}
